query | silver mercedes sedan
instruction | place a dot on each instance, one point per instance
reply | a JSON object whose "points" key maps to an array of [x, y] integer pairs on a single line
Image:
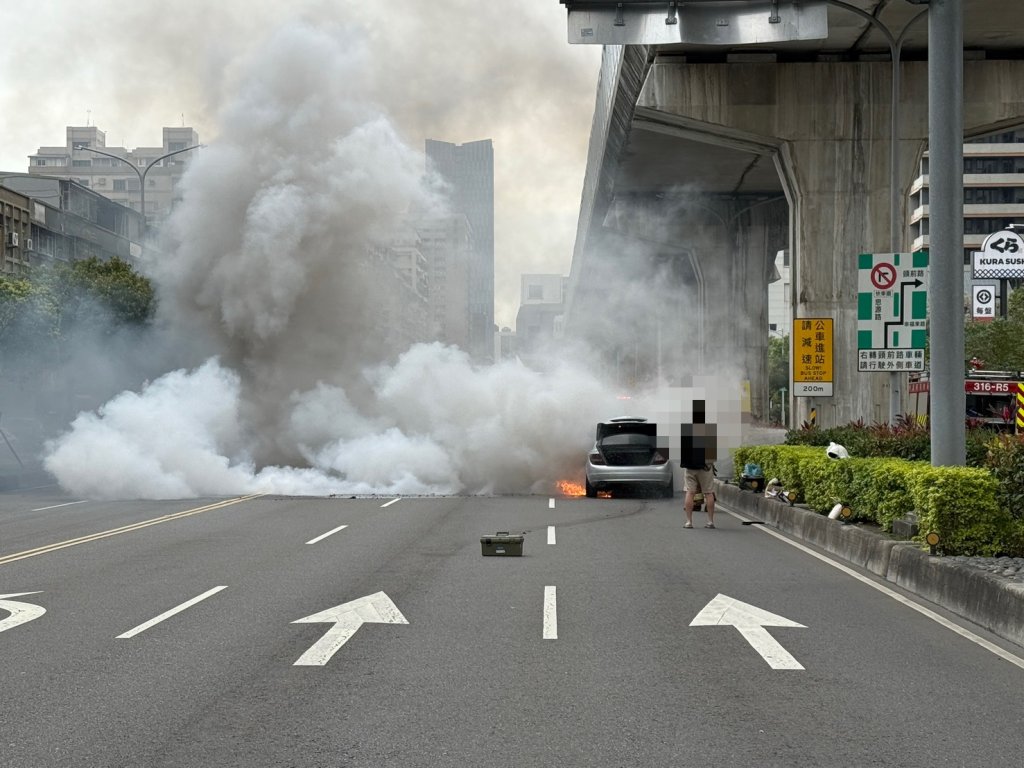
{"points": [[626, 455]]}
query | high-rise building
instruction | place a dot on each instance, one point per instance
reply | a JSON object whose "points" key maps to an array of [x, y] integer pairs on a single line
{"points": [[115, 177], [469, 171], [993, 196], [446, 243]]}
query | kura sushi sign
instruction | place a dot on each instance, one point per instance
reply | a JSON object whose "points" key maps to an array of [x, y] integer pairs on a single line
{"points": [[1001, 257]]}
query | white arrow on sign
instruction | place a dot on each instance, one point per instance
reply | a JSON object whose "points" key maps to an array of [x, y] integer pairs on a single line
{"points": [[751, 622], [347, 618], [20, 612]]}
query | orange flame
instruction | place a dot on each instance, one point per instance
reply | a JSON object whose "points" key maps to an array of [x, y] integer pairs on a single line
{"points": [[569, 488]]}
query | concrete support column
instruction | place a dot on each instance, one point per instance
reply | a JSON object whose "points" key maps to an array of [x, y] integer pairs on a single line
{"points": [[714, 256]]}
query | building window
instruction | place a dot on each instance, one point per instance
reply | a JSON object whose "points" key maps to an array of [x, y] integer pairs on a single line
{"points": [[535, 291], [175, 146], [120, 185], [81, 163]]}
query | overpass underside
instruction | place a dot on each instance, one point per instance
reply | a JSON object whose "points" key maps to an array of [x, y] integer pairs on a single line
{"points": [[700, 171]]}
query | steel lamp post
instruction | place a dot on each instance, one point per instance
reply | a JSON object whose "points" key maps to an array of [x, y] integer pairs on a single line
{"points": [[141, 174]]}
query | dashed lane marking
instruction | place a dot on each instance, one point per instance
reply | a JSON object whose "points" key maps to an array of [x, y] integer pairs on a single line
{"points": [[57, 506], [323, 536], [167, 614], [550, 614]]}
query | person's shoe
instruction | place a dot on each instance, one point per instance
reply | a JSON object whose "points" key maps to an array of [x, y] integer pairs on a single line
{"points": [[709, 525], [687, 525]]}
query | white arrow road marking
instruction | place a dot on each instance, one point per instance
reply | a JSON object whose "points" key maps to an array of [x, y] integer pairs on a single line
{"points": [[751, 622], [167, 614], [20, 612], [551, 503], [551, 534], [550, 614], [347, 618], [323, 536], [388, 504]]}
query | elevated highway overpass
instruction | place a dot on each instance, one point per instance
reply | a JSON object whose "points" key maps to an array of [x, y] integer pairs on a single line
{"points": [[708, 155]]}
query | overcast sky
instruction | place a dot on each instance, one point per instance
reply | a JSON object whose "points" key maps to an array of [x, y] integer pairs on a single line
{"points": [[454, 70]]}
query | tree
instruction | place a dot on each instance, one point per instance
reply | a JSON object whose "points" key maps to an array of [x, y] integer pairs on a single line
{"points": [[778, 374], [1000, 342], [39, 314]]}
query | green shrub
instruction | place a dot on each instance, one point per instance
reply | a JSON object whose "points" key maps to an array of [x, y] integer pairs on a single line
{"points": [[884, 488], [961, 505], [1004, 458]]}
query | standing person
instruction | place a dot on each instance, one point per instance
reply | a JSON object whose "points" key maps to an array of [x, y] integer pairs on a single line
{"points": [[699, 451], [700, 479]]}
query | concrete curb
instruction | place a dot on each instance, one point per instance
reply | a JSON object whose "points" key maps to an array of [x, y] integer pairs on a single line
{"points": [[986, 600]]}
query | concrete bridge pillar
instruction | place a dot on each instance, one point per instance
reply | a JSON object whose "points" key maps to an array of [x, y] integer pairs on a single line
{"points": [[830, 125], [701, 263]]}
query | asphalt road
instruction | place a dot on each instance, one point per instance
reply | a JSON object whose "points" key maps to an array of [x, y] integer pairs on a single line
{"points": [[492, 668]]}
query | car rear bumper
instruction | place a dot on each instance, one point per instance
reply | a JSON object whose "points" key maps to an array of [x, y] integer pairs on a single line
{"points": [[603, 476]]}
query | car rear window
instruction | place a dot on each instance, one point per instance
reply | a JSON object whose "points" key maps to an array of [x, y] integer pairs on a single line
{"points": [[643, 428], [628, 438]]}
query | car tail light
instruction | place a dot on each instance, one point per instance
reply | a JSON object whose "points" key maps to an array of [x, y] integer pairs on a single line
{"points": [[597, 458], [658, 458]]}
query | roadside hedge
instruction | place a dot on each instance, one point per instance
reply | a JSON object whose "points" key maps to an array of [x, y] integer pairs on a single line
{"points": [[963, 505]]}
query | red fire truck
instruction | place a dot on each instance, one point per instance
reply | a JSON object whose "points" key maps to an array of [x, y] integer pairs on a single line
{"points": [[995, 399]]}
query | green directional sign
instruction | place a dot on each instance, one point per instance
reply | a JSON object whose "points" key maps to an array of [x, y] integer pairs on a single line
{"points": [[892, 311]]}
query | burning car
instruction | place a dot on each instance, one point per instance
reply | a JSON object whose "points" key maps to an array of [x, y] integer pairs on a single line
{"points": [[626, 454]]}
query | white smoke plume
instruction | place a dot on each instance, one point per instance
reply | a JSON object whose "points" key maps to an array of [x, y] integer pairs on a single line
{"points": [[262, 275]]}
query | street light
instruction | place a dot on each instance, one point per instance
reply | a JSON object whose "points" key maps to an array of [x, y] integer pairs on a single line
{"points": [[141, 174]]}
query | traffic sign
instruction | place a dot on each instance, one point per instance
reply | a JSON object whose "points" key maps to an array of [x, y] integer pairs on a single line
{"points": [[1001, 257], [812, 357], [892, 311], [983, 302]]}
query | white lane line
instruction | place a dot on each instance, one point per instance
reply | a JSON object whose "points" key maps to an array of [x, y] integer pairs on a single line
{"points": [[167, 614], [323, 536], [551, 503], [550, 614], [551, 534], [55, 506], [938, 618], [390, 502]]}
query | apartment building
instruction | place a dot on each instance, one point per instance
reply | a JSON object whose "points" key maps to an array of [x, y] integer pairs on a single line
{"points": [[49, 218], [541, 308], [116, 172], [15, 232]]}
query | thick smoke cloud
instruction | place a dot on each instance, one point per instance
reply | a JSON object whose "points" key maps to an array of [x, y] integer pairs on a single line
{"points": [[263, 265], [281, 380]]}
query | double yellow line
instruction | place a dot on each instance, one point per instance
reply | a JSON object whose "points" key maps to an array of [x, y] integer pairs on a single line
{"points": [[123, 529]]}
